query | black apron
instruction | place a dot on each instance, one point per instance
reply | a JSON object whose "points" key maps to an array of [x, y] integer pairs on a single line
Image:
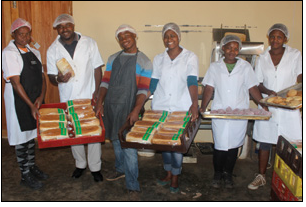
{"points": [[121, 94], [31, 80]]}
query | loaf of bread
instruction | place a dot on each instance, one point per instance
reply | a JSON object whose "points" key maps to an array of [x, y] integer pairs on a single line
{"points": [[291, 92], [78, 102], [140, 137], [156, 112], [179, 113], [166, 139], [79, 109], [159, 118], [149, 130], [154, 124], [93, 130], [51, 125], [82, 115], [46, 111], [52, 118], [86, 122], [175, 124], [172, 118], [64, 67], [164, 130], [53, 134]]}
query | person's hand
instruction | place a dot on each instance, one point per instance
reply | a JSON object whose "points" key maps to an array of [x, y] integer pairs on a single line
{"points": [[194, 112], [270, 92], [63, 78], [132, 117], [38, 102], [99, 108], [34, 111]]}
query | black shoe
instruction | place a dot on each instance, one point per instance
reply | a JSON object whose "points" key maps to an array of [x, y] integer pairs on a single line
{"points": [[29, 180], [97, 176], [78, 172], [228, 180], [38, 173], [216, 183]]}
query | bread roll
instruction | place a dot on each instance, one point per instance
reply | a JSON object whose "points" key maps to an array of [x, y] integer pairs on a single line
{"points": [[78, 102], [45, 111], [294, 103], [159, 118], [86, 122], [166, 139], [156, 112], [140, 137], [51, 125], [154, 124], [149, 130], [179, 113], [291, 92], [271, 100], [176, 124], [88, 131], [64, 67], [52, 118], [165, 130], [82, 115], [79, 109], [53, 134], [178, 118]]}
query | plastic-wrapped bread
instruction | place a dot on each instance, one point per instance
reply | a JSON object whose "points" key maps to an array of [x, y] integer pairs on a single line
{"points": [[179, 113], [53, 118], [175, 124], [86, 122], [172, 118], [64, 67], [154, 124], [46, 111], [159, 118], [156, 112], [51, 125], [166, 139], [82, 115], [79, 109], [165, 130], [139, 137], [53, 134], [88, 131], [149, 130], [78, 102]]}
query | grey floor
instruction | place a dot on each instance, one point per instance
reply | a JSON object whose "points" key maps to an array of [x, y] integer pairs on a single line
{"points": [[59, 164]]}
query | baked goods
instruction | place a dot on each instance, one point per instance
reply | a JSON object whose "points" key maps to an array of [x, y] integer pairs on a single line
{"points": [[291, 92], [78, 102], [93, 130], [166, 139], [85, 122], [165, 130], [159, 118], [51, 125], [149, 130], [45, 111], [64, 67], [291, 99], [82, 115], [299, 93], [179, 113], [53, 118], [79, 109], [52, 134], [155, 112], [271, 100], [176, 124], [178, 118], [140, 137], [154, 124]]}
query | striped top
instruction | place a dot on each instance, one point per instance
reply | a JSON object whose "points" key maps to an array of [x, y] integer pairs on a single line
{"points": [[144, 70]]}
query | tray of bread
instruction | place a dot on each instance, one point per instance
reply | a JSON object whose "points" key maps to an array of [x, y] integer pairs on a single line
{"points": [[242, 114], [161, 131], [289, 98], [70, 123]]}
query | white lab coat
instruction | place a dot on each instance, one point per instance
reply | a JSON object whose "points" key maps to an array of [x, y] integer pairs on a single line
{"points": [[12, 65], [172, 92], [285, 122], [230, 90], [86, 58]]}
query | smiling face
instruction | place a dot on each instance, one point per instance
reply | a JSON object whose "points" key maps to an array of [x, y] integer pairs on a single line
{"points": [[66, 31], [277, 39], [231, 51], [22, 36], [171, 40], [127, 41]]}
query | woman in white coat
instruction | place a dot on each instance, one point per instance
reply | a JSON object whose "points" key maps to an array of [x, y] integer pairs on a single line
{"points": [[279, 67], [24, 93], [231, 79]]}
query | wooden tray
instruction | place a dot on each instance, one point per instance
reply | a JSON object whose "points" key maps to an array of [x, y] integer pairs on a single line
{"points": [[190, 132], [228, 116], [71, 140], [283, 94]]}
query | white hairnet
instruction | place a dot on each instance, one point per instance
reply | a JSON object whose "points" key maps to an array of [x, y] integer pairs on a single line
{"points": [[63, 18], [230, 38], [124, 28], [280, 27], [174, 27], [20, 23]]}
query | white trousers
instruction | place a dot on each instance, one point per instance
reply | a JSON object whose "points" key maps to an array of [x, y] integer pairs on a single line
{"points": [[94, 156]]}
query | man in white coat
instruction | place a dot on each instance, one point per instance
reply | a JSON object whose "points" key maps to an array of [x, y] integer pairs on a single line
{"points": [[84, 57]]}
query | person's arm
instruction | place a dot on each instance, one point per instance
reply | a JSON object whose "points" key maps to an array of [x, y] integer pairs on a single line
{"points": [[134, 115], [255, 93], [59, 78], [38, 102], [98, 78], [300, 78], [265, 90], [207, 94], [100, 99], [193, 91], [15, 80]]}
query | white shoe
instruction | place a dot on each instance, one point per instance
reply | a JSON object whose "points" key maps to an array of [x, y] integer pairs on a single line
{"points": [[259, 180]]}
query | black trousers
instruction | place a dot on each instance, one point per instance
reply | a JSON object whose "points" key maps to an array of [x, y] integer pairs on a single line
{"points": [[224, 161], [25, 155]]}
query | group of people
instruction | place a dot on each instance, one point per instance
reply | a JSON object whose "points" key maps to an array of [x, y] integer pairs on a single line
{"points": [[129, 79]]}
